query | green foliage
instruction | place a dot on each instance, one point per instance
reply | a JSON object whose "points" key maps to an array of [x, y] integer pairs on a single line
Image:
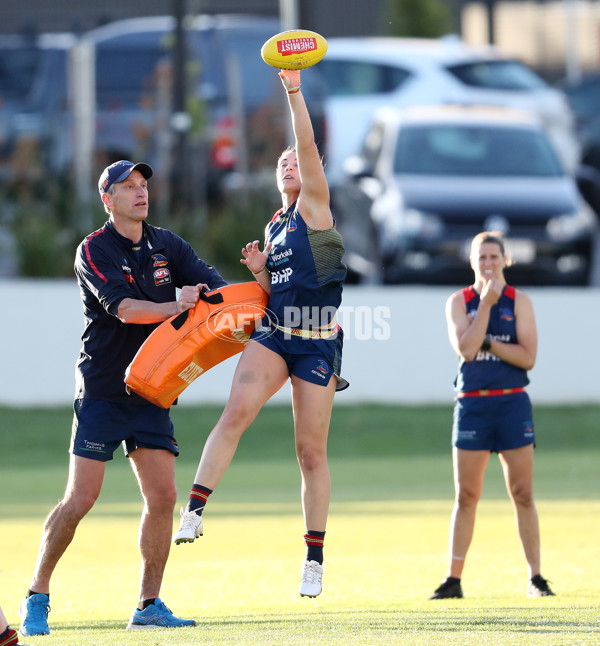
{"points": [[47, 223], [218, 234], [232, 229], [45, 248], [418, 18]]}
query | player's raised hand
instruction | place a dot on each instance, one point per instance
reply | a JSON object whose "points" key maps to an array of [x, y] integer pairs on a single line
{"points": [[254, 258]]}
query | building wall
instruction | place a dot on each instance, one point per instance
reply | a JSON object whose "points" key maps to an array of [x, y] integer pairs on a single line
{"points": [[396, 347], [542, 34]]}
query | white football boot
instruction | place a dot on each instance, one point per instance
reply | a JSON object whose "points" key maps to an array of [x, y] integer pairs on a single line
{"points": [[190, 527], [312, 579]]}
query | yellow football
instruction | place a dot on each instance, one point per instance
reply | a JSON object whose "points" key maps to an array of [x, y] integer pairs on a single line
{"points": [[295, 49]]}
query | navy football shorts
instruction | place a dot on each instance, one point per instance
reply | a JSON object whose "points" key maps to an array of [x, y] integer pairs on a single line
{"points": [[497, 423], [316, 361], [100, 426]]}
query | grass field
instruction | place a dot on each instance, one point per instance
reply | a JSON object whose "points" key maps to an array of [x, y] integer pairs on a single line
{"points": [[385, 549]]}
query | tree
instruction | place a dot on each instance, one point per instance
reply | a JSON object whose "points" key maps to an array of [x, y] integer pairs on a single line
{"points": [[418, 18]]}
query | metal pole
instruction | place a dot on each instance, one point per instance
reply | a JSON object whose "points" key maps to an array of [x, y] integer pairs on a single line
{"points": [[491, 23], [289, 14], [82, 97], [572, 63], [180, 119]]}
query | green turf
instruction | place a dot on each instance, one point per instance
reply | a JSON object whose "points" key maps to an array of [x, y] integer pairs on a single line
{"points": [[386, 542], [356, 431]]}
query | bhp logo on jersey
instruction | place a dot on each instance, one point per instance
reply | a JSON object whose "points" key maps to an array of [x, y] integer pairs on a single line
{"points": [[281, 276]]}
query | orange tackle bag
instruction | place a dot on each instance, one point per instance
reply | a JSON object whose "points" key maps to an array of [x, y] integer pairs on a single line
{"points": [[188, 344]]}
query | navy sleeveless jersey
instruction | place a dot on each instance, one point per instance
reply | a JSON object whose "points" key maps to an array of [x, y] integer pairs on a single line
{"points": [[306, 271], [487, 371]]}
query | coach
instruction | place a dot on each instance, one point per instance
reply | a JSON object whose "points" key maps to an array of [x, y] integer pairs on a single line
{"points": [[128, 272]]}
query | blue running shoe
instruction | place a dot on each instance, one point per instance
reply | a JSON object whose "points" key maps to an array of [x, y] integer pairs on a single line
{"points": [[157, 615], [34, 615]]}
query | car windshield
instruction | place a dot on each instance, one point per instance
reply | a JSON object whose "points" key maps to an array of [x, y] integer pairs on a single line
{"points": [[498, 75], [474, 151]]}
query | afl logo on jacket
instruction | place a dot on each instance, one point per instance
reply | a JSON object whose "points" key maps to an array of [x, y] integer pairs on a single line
{"points": [[162, 276]]}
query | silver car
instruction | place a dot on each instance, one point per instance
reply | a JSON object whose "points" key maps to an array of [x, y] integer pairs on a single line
{"points": [[428, 179], [365, 74]]}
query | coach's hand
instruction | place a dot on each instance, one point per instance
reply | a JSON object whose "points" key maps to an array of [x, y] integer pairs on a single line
{"points": [[189, 296]]}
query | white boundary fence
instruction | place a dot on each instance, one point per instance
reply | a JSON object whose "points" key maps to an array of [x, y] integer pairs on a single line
{"points": [[396, 348]]}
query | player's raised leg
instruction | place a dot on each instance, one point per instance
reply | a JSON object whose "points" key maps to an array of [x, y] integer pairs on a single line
{"points": [[260, 373]]}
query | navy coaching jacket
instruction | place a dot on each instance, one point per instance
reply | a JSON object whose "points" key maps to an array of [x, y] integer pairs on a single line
{"points": [[110, 268]]}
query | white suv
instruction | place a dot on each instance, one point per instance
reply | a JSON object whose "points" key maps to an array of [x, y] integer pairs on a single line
{"points": [[364, 74]]}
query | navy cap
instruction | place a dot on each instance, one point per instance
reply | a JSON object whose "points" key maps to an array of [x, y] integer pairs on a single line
{"points": [[119, 172]]}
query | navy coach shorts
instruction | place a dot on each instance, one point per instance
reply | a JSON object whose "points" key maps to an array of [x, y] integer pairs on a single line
{"points": [[497, 423], [99, 427]]}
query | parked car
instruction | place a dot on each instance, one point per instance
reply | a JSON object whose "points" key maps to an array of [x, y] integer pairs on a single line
{"points": [[429, 178], [234, 97], [33, 90], [364, 74], [584, 98], [235, 103]]}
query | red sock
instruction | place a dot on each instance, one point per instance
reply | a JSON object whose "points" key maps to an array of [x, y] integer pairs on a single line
{"points": [[314, 546], [198, 497]]}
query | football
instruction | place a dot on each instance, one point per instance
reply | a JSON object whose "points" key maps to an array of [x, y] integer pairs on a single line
{"points": [[295, 49]]}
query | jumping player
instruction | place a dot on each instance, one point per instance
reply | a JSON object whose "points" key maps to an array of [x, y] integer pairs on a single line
{"points": [[492, 328], [301, 268], [128, 272]]}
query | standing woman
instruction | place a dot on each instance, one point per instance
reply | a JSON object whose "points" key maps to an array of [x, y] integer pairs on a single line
{"points": [[301, 269], [492, 328]]}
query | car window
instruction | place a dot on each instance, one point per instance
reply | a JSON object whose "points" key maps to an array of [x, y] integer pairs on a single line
{"points": [[258, 81], [126, 66], [497, 75], [355, 78], [585, 98], [476, 151], [18, 67]]}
